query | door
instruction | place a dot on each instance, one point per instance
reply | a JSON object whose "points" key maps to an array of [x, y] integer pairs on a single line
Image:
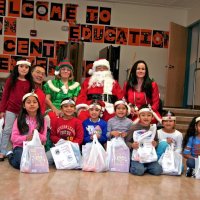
{"points": [[175, 71]]}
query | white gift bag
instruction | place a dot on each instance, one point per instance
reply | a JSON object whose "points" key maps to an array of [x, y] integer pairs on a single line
{"points": [[1, 127], [33, 158], [197, 167], [65, 157]]}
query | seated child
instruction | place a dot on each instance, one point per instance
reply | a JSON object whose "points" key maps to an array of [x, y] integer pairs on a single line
{"points": [[119, 124], [168, 134], [94, 124], [67, 127], [144, 124], [191, 145], [29, 118]]}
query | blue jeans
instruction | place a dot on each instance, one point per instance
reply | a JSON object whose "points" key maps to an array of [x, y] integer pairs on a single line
{"points": [[140, 168], [190, 163], [15, 159]]}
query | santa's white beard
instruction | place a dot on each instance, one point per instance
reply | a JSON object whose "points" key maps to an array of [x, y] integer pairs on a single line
{"points": [[101, 78]]}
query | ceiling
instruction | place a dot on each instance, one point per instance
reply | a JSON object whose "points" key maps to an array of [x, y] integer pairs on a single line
{"points": [[183, 4]]}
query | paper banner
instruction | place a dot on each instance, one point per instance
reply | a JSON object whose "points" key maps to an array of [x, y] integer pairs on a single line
{"points": [[31, 59], [134, 37], [157, 39], [86, 33], [105, 16], [35, 47], [9, 45], [166, 39], [56, 11], [48, 48], [92, 15], [1, 25], [10, 26], [97, 34], [110, 35], [2, 7], [14, 8], [42, 9], [145, 37], [4, 63], [13, 61], [122, 36], [70, 13], [23, 46], [74, 33], [52, 65], [27, 10]]}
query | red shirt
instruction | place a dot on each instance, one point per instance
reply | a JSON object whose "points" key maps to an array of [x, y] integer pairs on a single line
{"points": [[12, 97], [67, 129]]}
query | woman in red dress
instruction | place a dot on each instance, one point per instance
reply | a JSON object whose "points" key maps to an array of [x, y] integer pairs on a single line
{"points": [[140, 90]]}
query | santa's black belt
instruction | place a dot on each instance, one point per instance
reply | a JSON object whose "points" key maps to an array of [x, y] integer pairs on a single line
{"points": [[103, 97]]}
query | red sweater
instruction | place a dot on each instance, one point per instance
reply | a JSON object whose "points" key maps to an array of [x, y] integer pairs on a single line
{"points": [[67, 129], [12, 97]]}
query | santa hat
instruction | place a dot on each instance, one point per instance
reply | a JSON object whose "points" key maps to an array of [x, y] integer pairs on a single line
{"points": [[123, 102], [83, 105], [63, 63], [100, 62], [23, 62]]}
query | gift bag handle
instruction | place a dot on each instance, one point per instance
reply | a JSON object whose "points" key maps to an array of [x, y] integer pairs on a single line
{"points": [[36, 139]]}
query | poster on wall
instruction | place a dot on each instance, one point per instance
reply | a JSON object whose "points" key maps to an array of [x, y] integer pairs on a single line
{"points": [[74, 33], [122, 36], [42, 10], [31, 59], [9, 45], [27, 10], [157, 39], [92, 15], [1, 25], [145, 37], [48, 48], [97, 34], [13, 61], [86, 33], [110, 35], [70, 13], [35, 47], [166, 39], [4, 63], [134, 37], [105, 16], [2, 7], [10, 24], [23, 46], [56, 11], [52, 65], [14, 8]]}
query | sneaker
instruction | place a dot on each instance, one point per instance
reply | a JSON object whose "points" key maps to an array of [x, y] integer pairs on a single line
{"points": [[9, 154], [190, 172]]}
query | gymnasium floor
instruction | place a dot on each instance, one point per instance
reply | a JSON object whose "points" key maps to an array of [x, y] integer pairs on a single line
{"points": [[79, 185]]}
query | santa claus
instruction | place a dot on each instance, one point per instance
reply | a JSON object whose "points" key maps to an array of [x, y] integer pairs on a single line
{"points": [[100, 86]]}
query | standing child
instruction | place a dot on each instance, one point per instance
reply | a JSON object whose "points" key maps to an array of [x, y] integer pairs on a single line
{"points": [[119, 124], [144, 125], [29, 118], [191, 145], [66, 127], [168, 134], [17, 85], [95, 125]]}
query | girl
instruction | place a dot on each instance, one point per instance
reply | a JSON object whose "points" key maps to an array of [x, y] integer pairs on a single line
{"points": [[17, 85], [191, 145], [95, 125], [66, 127], [119, 124], [29, 118], [141, 90], [168, 134]]}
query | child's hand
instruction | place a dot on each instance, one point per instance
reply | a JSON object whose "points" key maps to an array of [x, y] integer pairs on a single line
{"points": [[154, 143], [2, 114], [169, 140], [98, 136], [115, 133], [29, 137], [135, 145]]}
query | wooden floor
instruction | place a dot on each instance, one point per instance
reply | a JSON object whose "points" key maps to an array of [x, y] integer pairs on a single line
{"points": [[79, 185]]}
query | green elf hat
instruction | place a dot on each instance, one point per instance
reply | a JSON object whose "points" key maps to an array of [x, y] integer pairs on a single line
{"points": [[63, 63]]}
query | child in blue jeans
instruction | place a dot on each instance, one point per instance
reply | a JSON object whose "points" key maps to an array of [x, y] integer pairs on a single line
{"points": [[191, 145], [137, 168]]}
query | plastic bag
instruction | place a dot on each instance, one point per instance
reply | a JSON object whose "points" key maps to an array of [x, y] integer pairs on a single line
{"points": [[118, 155], [146, 152], [197, 167], [94, 157], [33, 158], [66, 155], [171, 161], [1, 127]]}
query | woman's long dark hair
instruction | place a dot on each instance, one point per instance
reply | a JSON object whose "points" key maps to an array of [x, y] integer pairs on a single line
{"points": [[22, 123], [15, 74], [191, 132], [132, 80]]}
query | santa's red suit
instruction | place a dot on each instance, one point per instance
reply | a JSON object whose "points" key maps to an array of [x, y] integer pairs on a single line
{"points": [[100, 86]]}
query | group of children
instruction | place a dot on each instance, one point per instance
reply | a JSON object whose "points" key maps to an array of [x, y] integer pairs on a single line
{"points": [[69, 127]]}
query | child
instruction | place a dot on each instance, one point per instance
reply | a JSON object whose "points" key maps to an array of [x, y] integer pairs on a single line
{"points": [[29, 118], [95, 125], [17, 85], [191, 145], [137, 168], [66, 127], [168, 134], [119, 124]]}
